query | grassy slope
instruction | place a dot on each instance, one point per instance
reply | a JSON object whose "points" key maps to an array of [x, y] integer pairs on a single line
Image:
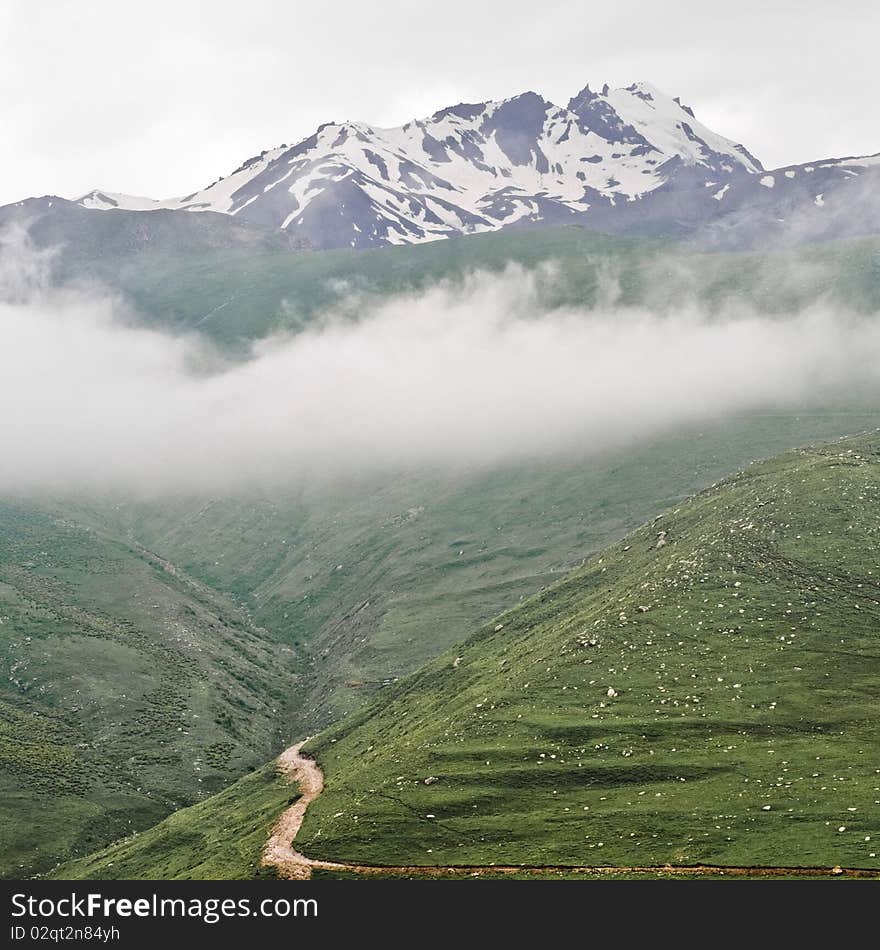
{"points": [[127, 689], [221, 838], [236, 297], [746, 657], [748, 680]]}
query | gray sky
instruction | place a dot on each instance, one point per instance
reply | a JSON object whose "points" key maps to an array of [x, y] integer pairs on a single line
{"points": [[162, 98]]}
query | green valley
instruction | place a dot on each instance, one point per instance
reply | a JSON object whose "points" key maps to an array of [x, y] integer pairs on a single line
{"points": [[701, 692]]}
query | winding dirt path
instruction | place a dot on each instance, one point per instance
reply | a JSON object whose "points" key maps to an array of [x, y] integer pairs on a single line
{"points": [[279, 852], [292, 865]]}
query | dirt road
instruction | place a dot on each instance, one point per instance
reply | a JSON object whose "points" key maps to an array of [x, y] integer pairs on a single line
{"points": [[279, 850], [292, 865]]}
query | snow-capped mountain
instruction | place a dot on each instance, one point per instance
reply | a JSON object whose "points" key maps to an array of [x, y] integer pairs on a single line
{"points": [[813, 201], [471, 168]]}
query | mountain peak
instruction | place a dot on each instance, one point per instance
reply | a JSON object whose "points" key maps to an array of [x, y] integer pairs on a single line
{"points": [[529, 97], [585, 95]]}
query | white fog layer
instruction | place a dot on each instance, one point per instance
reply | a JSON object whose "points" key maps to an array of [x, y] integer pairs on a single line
{"points": [[459, 376]]}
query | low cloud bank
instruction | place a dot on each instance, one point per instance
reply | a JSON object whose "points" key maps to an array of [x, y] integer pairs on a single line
{"points": [[459, 376]]}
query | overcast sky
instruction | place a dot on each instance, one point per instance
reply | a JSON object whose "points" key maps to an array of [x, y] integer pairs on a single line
{"points": [[162, 98]]}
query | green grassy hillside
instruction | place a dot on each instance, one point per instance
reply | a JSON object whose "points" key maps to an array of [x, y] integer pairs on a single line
{"points": [[235, 297], [221, 838], [128, 689], [703, 691]]}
